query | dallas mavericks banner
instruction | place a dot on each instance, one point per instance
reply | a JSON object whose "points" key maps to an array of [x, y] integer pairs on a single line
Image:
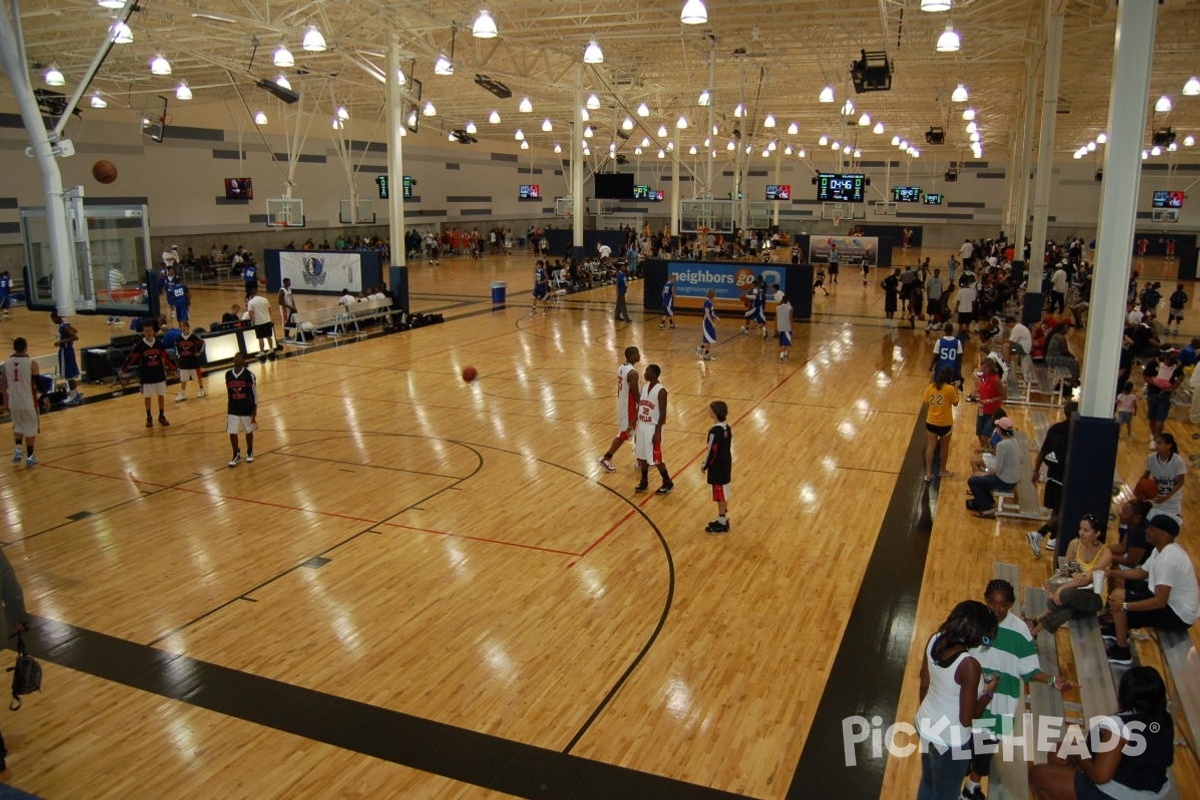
{"points": [[321, 271]]}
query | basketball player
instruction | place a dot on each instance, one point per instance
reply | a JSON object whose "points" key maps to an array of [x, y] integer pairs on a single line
{"points": [[758, 307], [250, 275], [718, 465], [948, 354], [5, 293], [647, 443], [180, 298], [191, 356], [708, 327], [242, 409], [151, 357], [68, 364], [668, 303], [287, 304], [627, 404], [783, 326], [20, 399], [541, 287]]}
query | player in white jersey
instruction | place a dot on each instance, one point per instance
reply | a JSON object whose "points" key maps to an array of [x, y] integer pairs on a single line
{"points": [[628, 395], [20, 398], [647, 444]]}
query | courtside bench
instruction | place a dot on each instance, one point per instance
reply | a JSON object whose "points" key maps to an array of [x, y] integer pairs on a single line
{"points": [[334, 320]]}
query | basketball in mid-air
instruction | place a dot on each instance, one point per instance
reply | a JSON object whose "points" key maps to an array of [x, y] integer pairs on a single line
{"points": [[1146, 489], [104, 171], [469, 374]]}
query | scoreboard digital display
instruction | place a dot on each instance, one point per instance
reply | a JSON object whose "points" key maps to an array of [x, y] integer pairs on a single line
{"points": [[840, 187], [906, 194], [781, 191], [933, 199], [644, 192]]}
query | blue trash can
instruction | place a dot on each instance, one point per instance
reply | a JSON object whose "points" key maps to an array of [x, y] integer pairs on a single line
{"points": [[498, 290]]}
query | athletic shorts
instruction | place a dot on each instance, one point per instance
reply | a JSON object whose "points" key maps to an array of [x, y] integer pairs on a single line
{"points": [[668, 309], [235, 424], [25, 421], [720, 492], [984, 425], [938, 430], [181, 312], [785, 338], [709, 332], [186, 375], [1163, 619], [965, 317], [644, 448], [154, 389], [540, 291], [1158, 406]]}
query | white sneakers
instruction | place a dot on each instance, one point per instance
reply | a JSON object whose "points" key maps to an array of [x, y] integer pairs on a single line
{"points": [[200, 393], [179, 398]]}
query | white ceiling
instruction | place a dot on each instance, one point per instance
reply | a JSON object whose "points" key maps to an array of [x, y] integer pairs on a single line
{"points": [[775, 55]]}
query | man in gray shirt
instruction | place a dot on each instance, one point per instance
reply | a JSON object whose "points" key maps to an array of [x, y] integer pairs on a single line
{"points": [[1001, 476]]}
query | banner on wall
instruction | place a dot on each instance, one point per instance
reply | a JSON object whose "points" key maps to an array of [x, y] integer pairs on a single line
{"points": [[693, 279], [851, 249], [321, 271]]}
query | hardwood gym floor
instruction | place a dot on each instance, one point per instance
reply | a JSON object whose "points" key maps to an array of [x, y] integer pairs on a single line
{"points": [[426, 588]]}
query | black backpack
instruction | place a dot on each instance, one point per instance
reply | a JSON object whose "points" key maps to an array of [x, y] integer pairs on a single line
{"points": [[27, 675]]}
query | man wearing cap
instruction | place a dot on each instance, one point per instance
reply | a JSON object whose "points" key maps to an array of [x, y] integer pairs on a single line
{"points": [[1002, 475], [170, 257], [1058, 289], [1172, 602]]}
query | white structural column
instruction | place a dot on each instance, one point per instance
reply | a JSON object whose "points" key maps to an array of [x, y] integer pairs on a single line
{"points": [[676, 189], [12, 55], [395, 157], [577, 203], [1055, 10], [1021, 177], [1133, 53]]}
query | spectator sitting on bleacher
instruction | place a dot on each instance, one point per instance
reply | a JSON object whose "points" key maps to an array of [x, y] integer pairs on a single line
{"points": [[1171, 600], [1131, 549], [1136, 766], [1002, 475], [1071, 591], [1013, 657]]}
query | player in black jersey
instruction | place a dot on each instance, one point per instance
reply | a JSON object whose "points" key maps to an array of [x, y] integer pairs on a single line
{"points": [[718, 465], [191, 358], [153, 360], [242, 410]]}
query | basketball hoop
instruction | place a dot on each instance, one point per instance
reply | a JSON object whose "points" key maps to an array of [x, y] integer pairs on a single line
{"points": [[837, 219]]}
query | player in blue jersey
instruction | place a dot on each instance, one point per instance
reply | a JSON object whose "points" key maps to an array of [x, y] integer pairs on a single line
{"points": [[757, 312], [68, 362], [5, 292], [180, 297], [668, 303], [948, 353], [541, 287], [708, 327]]}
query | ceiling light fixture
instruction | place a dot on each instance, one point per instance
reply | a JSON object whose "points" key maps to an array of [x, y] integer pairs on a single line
{"points": [[692, 150], [525, 106], [443, 66], [183, 91], [895, 141], [485, 26], [848, 107], [802, 153], [429, 109], [739, 110], [824, 140], [705, 98], [557, 148], [120, 33], [592, 54], [1162, 106], [160, 66], [313, 42], [826, 95], [494, 117], [878, 127], [524, 145], [54, 77], [793, 129], [547, 126], [627, 124], [519, 135], [864, 120], [968, 114], [260, 118], [593, 102], [1192, 87], [283, 57], [959, 95], [1101, 138], [681, 123], [769, 122], [113, 4], [1189, 140], [643, 110], [584, 115], [972, 127], [935, 6], [100, 102], [948, 42], [694, 13], [283, 82], [342, 113], [662, 131]]}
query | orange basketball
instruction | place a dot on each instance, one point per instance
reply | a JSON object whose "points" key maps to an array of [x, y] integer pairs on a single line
{"points": [[469, 374], [1146, 489], [104, 171]]}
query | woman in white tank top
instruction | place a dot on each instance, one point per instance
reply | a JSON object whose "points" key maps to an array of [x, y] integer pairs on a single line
{"points": [[950, 698]]}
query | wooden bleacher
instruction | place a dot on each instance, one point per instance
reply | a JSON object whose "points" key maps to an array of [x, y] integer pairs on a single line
{"points": [[334, 320], [1022, 501]]}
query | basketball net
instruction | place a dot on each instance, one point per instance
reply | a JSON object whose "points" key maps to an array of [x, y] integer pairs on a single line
{"points": [[837, 220]]}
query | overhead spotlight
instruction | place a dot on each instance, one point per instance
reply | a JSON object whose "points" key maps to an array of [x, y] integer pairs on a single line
{"points": [[1091, 147], [1172, 147], [824, 140], [584, 115], [935, 5], [968, 114], [645, 141], [705, 98], [974, 137], [692, 150], [524, 145], [848, 107], [694, 13], [111, 4], [895, 141], [160, 66], [959, 95], [903, 144], [846, 149], [525, 106], [972, 127], [1189, 140], [739, 110], [592, 54], [1162, 106], [643, 110], [772, 145], [864, 120], [313, 41], [662, 131], [283, 57], [484, 27], [627, 124], [54, 77], [547, 126], [793, 129], [835, 146], [1145, 154], [787, 149], [283, 81], [183, 91], [593, 102], [826, 95], [1192, 87], [100, 102], [588, 132], [519, 135], [681, 123], [878, 127], [557, 147], [1101, 138], [1156, 150], [494, 117], [401, 80], [338, 124], [428, 110], [858, 153], [342, 113], [948, 42], [731, 146], [662, 154], [120, 33], [443, 66], [801, 153], [260, 118], [769, 122], [766, 154], [470, 128], [412, 120]]}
